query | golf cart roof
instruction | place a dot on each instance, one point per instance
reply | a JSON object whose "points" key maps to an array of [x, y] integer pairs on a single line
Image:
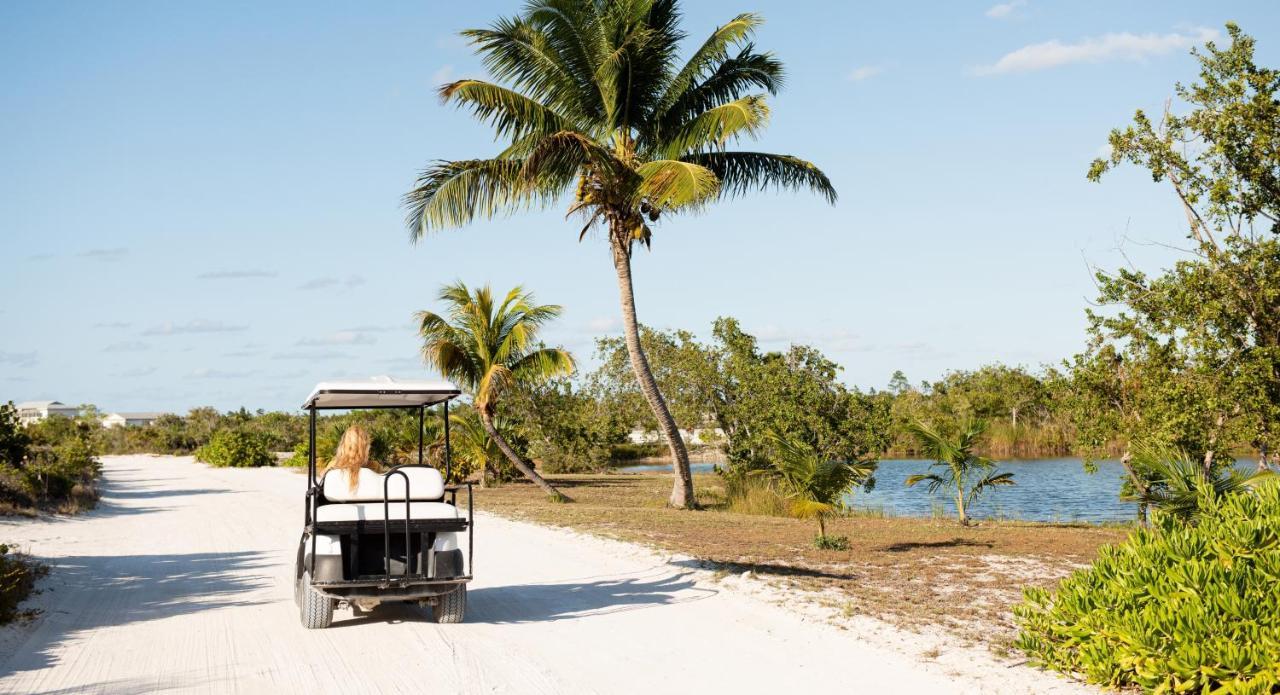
{"points": [[379, 392]]}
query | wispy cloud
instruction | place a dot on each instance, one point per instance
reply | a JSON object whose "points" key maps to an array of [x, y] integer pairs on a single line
{"points": [[127, 346], [138, 372], [864, 72], [1005, 9], [20, 359], [41, 257], [113, 254], [325, 282], [1100, 49], [206, 373], [339, 338], [603, 324], [236, 274], [386, 328], [191, 327], [443, 75], [242, 353], [112, 324], [311, 355]]}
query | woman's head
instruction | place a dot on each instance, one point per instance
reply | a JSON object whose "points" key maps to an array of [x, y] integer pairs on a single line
{"points": [[352, 453]]}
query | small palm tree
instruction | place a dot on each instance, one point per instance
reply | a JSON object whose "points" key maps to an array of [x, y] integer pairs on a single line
{"points": [[814, 484], [959, 468], [487, 347], [1178, 485], [591, 98], [473, 449]]}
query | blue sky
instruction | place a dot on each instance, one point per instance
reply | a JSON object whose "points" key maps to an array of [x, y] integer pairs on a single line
{"points": [[201, 200]]}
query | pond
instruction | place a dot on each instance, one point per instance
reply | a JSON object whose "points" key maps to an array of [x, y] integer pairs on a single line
{"points": [[1055, 489]]}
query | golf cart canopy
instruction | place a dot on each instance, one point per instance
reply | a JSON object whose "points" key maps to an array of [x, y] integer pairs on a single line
{"points": [[379, 392]]}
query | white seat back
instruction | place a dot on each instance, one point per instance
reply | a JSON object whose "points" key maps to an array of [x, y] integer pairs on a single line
{"points": [[424, 484]]}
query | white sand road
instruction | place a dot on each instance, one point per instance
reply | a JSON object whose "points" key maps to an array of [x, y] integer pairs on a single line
{"points": [[181, 582]]}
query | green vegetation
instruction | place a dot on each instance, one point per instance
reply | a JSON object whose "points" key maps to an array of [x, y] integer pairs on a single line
{"points": [[814, 485], [634, 132], [1176, 609], [488, 348], [49, 465], [960, 471], [1176, 484], [236, 448], [18, 575]]}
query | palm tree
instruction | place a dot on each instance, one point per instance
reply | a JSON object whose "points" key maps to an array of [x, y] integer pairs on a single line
{"points": [[957, 465], [487, 348], [473, 448], [1177, 484], [814, 484], [590, 98]]}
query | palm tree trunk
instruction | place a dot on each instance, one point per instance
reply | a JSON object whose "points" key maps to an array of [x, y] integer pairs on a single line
{"points": [[964, 520], [519, 463], [682, 496]]}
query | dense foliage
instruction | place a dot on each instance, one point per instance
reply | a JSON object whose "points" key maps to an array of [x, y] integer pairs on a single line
{"points": [[236, 448], [18, 575], [1178, 608], [50, 464]]}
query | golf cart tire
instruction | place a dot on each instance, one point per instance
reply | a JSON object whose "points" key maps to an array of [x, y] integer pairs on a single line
{"points": [[451, 607], [315, 608]]}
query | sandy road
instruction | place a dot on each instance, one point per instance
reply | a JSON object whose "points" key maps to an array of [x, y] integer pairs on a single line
{"points": [[181, 582]]}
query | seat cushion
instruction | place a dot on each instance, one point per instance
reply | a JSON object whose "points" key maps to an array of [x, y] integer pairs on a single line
{"points": [[372, 511], [424, 484]]}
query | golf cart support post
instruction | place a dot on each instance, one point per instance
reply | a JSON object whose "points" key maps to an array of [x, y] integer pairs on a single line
{"points": [[409, 584]]}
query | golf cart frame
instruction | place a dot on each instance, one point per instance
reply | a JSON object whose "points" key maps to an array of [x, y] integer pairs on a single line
{"points": [[412, 558]]}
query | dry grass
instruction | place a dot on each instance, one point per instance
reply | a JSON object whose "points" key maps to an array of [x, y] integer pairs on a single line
{"points": [[912, 572]]}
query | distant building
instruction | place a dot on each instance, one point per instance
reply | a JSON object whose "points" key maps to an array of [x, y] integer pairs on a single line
{"points": [[130, 419], [35, 411], [696, 437]]}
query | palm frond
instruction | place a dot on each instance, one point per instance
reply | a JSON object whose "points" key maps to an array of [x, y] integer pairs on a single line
{"points": [[452, 194], [512, 115], [715, 127], [714, 49], [671, 184], [741, 173], [732, 79]]}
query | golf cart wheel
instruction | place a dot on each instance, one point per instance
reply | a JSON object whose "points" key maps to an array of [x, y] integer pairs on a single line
{"points": [[452, 607], [315, 609]]}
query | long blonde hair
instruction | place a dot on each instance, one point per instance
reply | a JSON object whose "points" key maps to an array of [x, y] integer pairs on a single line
{"points": [[352, 455]]}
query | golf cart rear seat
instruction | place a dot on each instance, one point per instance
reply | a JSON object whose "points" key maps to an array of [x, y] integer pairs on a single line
{"points": [[366, 502]]}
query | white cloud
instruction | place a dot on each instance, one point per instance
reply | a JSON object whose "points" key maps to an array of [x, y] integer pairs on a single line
{"points": [[140, 371], [442, 76], [864, 72], [112, 324], [325, 282], [206, 373], [236, 274], [311, 355], [339, 338], [197, 326], [1005, 9], [21, 359], [1100, 49], [604, 324], [104, 254], [127, 346]]}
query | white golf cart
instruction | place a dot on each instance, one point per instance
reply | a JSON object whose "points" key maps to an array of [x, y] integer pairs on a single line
{"points": [[394, 536]]}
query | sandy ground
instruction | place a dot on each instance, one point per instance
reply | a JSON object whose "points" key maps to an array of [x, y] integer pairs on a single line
{"points": [[181, 582]]}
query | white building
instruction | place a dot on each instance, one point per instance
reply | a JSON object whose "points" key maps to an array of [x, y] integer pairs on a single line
{"points": [[130, 419], [35, 411], [700, 436]]}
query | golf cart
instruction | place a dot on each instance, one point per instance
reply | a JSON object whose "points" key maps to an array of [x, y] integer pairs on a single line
{"points": [[390, 536]]}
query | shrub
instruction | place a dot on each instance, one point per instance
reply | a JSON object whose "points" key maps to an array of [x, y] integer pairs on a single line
{"points": [[236, 448], [1177, 608], [18, 576], [824, 542]]}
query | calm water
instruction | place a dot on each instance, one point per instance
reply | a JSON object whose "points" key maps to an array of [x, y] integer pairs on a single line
{"points": [[1047, 490]]}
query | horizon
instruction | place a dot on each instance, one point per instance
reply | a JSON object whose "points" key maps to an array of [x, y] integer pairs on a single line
{"points": [[205, 199]]}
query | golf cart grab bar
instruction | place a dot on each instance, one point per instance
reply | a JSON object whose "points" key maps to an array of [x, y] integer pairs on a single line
{"points": [[386, 519]]}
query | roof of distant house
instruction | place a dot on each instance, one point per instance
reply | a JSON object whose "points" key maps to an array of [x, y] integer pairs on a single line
{"points": [[39, 404], [140, 416]]}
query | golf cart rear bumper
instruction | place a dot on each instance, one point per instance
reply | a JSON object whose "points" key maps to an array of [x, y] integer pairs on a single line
{"points": [[392, 589]]}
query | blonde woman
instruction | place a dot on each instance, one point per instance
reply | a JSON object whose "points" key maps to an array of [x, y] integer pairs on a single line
{"points": [[352, 455]]}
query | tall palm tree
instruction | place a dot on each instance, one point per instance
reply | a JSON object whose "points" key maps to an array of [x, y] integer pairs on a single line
{"points": [[488, 347], [960, 470], [590, 98], [813, 483]]}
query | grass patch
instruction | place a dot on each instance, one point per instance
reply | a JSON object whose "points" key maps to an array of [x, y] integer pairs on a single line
{"points": [[913, 572], [18, 575]]}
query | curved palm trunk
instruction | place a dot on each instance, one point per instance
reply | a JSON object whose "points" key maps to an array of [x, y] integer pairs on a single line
{"points": [[524, 468], [682, 496]]}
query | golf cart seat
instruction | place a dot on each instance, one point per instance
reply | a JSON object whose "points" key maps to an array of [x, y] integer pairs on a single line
{"points": [[365, 501]]}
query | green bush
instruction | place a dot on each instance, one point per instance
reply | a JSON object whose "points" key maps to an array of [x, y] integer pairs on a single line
{"points": [[236, 448], [18, 576], [1180, 608]]}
